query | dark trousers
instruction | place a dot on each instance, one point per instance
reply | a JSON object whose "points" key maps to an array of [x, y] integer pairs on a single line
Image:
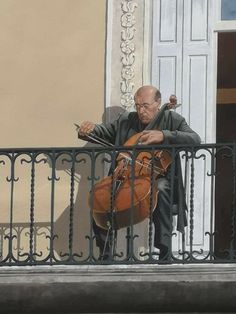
{"points": [[162, 216], [162, 220]]}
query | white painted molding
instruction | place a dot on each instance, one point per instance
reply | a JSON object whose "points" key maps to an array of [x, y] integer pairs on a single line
{"points": [[147, 42], [128, 50], [225, 26], [109, 21]]}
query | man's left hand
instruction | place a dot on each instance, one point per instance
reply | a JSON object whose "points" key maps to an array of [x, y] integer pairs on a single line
{"points": [[151, 137]]}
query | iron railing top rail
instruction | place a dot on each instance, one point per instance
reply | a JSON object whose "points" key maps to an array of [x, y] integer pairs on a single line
{"points": [[116, 147]]}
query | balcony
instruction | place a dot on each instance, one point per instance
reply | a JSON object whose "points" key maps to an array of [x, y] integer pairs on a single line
{"points": [[47, 219], [49, 256]]}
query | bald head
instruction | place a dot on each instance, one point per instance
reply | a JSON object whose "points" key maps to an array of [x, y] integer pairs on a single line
{"points": [[147, 101], [149, 90]]}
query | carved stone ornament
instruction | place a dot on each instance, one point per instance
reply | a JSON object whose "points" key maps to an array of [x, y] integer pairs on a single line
{"points": [[127, 53]]}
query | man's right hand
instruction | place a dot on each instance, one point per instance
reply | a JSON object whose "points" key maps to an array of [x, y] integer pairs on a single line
{"points": [[86, 128]]}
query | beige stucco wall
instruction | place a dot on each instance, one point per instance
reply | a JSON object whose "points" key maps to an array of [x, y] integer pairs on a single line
{"points": [[52, 69], [52, 60]]}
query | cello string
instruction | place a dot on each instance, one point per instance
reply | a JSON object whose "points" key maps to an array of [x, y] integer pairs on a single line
{"points": [[157, 170], [103, 142]]}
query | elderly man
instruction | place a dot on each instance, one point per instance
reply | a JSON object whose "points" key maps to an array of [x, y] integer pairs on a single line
{"points": [[158, 125]]}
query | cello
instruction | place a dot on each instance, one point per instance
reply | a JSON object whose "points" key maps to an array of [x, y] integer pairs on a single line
{"points": [[129, 194]]}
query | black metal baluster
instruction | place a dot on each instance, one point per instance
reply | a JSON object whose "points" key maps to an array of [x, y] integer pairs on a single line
{"points": [[71, 222], [130, 230], [172, 181], [212, 233], [2, 231], [32, 190], [191, 214], [183, 242], [52, 236], [233, 208], [12, 179], [92, 178], [153, 182], [111, 233]]}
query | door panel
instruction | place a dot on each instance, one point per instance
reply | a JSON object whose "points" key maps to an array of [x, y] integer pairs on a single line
{"points": [[184, 64]]}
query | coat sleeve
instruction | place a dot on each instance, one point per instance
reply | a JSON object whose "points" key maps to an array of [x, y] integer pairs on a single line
{"points": [[108, 131], [104, 131], [180, 132]]}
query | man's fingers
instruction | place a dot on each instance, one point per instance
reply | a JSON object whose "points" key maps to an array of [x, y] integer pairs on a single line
{"points": [[151, 137], [86, 128], [144, 137], [146, 142]]}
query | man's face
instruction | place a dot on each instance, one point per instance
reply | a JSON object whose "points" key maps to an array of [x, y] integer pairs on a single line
{"points": [[146, 105]]}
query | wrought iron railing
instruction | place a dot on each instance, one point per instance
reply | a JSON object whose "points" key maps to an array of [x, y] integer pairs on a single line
{"points": [[47, 197]]}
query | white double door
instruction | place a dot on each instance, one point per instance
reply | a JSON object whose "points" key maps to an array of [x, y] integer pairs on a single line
{"points": [[184, 58]]}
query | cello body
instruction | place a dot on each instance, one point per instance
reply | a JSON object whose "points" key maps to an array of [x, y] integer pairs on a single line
{"points": [[129, 194], [125, 209]]}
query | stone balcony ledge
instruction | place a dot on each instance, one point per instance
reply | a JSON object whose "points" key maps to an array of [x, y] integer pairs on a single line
{"points": [[93, 273], [119, 288]]}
